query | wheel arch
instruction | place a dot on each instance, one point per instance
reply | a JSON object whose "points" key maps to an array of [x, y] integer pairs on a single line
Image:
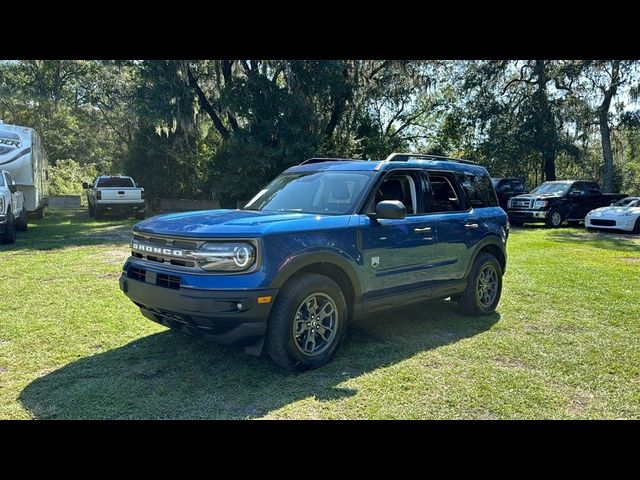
{"points": [[492, 245], [332, 265]]}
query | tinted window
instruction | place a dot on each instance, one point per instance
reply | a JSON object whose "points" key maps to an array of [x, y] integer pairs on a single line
{"points": [[593, 189], [518, 186], [445, 198], [115, 182], [313, 192], [578, 187], [479, 190], [551, 187]]}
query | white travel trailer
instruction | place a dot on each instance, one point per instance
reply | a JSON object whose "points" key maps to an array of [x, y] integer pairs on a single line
{"points": [[22, 154]]}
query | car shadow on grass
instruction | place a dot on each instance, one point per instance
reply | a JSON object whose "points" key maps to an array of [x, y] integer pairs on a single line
{"points": [[605, 240], [173, 375], [63, 228]]}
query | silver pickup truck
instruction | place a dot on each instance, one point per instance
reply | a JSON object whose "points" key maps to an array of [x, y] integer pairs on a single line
{"points": [[115, 194]]}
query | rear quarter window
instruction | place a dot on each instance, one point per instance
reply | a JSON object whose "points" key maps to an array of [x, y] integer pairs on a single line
{"points": [[479, 190]]}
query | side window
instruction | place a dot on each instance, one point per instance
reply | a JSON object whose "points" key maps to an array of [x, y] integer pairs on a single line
{"points": [[593, 189], [518, 186], [578, 187], [479, 190], [400, 186], [445, 196]]}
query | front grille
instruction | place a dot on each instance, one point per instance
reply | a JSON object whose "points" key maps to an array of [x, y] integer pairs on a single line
{"points": [[135, 273], [170, 244], [603, 223], [521, 203], [168, 281]]}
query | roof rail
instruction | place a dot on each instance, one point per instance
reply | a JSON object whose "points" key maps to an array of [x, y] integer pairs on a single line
{"points": [[320, 160], [406, 157]]}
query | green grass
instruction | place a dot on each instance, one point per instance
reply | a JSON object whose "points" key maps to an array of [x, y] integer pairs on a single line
{"points": [[565, 342]]}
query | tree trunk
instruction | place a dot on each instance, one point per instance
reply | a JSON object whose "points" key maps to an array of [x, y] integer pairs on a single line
{"points": [[545, 125], [607, 154]]}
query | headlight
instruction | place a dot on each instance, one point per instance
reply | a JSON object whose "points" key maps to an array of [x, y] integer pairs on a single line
{"points": [[226, 256], [540, 204]]}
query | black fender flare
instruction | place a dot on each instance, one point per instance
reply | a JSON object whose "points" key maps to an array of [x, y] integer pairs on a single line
{"points": [[493, 240], [306, 259]]}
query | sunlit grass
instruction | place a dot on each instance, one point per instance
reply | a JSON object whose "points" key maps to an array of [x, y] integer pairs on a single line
{"points": [[564, 344]]}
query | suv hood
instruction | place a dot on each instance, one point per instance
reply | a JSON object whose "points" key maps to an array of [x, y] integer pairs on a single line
{"points": [[240, 223]]}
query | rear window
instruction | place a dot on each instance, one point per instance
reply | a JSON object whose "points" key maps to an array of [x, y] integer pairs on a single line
{"points": [[479, 190], [115, 182], [518, 186]]}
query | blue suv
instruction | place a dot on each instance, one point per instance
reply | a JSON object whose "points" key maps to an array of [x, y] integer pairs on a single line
{"points": [[327, 241]]}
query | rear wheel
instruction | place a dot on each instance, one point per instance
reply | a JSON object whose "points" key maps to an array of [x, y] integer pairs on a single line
{"points": [[39, 213], [307, 323], [97, 212], [484, 286], [22, 222], [9, 234], [636, 228], [554, 219], [139, 214]]}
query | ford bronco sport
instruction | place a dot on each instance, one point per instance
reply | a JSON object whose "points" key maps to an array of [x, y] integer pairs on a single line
{"points": [[327, 241]]}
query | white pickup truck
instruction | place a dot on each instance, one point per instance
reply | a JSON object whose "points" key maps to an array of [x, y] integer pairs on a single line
{"points": [[13, 214], [114, 194]]}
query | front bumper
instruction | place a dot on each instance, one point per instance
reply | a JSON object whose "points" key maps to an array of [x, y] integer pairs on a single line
{"points": [[121, 207], [228, 317], [626, 223], [528, 216]]}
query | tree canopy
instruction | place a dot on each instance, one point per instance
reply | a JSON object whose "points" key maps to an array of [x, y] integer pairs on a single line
{"points": [[224, 128]]}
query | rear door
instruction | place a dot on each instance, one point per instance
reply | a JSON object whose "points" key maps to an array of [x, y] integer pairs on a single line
{"points": [[578, 201], [399, 255], [455, 222]]}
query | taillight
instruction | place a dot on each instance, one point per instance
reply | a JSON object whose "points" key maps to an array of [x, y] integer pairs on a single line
{"points": [[142, 193], [98, 195]]}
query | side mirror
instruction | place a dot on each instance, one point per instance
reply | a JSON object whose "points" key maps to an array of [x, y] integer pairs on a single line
{"points": [[390, 210], [85, 185], [13, 188]]}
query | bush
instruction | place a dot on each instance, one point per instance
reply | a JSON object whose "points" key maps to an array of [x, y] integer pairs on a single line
{"points": [[66, 177]]}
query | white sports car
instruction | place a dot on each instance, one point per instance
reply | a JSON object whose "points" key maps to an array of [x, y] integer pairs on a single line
{"points": [[622, 215]]}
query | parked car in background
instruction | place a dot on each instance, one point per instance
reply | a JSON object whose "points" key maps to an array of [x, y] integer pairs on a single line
{"points": [[326, 241], [508, 187], [13, 214], [115, 194], [554, 202], [622, 215], [24, 157]]}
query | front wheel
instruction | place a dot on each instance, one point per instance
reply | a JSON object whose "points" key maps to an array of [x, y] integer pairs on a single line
{"points": [[636, 228], [307, 323], [22, 222], [9, 234], [554, 219], [484, 286]]}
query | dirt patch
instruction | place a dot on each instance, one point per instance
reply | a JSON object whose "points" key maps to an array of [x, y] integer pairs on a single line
{"points": [[510, 363], [108, 275], [630, 259]]}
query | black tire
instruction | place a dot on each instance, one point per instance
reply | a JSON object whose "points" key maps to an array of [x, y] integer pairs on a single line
{"points": [[39, 213], [636, 228], [91, 211], [98, 213], [283, 345], [139, 215], [22, 222], [8, 236], [471, 302], [573, 223], [591, 229], [554, 218]]}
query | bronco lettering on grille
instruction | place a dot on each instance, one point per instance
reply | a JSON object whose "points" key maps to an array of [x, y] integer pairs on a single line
{"points": [[157, 250]]}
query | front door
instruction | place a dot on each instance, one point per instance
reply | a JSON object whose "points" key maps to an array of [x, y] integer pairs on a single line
{"points": [[399, 255]]}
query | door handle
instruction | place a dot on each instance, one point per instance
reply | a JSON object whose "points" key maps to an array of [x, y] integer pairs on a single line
{"points": [[422, 230], [471, 226]]}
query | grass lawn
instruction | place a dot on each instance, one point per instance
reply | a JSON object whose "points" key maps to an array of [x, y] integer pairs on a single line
{"points": [[565, 342]]}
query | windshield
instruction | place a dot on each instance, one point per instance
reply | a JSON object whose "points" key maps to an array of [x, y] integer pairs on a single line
{"points": [[627, 202], [325, 192], [551, 187], [115, 182]]}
